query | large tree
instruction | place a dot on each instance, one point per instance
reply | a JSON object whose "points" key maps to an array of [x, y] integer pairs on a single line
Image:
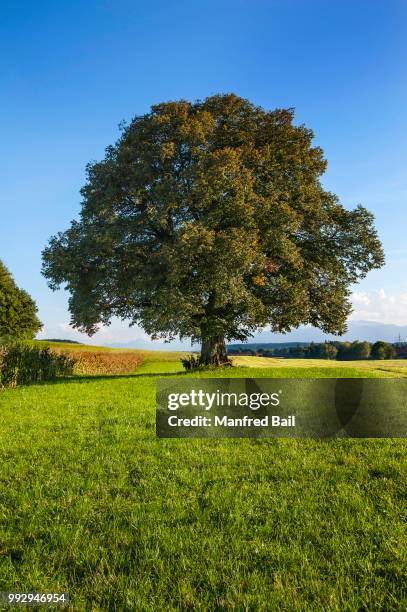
{"points": [[208, 220], [18, 312]]}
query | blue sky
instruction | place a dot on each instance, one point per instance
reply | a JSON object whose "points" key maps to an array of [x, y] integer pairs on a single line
{"points": [[71, 71]]}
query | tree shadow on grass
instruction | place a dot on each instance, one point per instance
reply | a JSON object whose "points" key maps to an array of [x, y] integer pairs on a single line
{"points": [[97, 377]]}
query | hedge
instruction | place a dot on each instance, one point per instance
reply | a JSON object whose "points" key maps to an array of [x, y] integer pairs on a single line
{"points": [[21, 364]]}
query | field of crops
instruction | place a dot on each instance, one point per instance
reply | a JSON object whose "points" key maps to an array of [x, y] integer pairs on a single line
{"points": [[93, 360], [93, 504], [384, 367], [151, 355]]}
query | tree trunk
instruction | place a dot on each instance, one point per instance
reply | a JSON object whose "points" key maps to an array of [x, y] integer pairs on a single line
{"points": [[213, 351]]}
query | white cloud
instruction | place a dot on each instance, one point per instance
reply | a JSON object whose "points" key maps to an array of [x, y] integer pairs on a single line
{"points": [[380, 306], [117, 332], [360, 298]]}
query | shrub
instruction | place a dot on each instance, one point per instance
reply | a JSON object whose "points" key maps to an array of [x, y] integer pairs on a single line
{"points": [[21, 364], [190, 362]]}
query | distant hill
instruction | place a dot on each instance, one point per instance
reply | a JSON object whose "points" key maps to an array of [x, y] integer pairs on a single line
{"points": [[59, 340], [150, 345], [255, 346], [357, 330]]}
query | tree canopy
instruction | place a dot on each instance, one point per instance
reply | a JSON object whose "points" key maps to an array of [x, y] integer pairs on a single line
{"points": [[18, 312], [383, 350], [208, 220]]}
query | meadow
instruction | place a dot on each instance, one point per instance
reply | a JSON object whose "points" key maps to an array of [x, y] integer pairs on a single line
{"points": [[93, 504]]}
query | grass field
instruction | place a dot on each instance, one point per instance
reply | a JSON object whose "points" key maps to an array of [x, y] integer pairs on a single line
{"points": [[388, 367], [93, 504]]}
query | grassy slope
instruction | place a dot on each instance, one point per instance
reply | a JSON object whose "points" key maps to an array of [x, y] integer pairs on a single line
{"points": [[92, 503], [392, 367]]}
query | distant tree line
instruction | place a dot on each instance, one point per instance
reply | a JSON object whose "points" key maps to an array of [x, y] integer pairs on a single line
{"points": [[65, 341], [341, 351]]}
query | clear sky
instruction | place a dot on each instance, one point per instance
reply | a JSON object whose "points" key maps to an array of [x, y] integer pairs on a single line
{"points": [[71, 71]]}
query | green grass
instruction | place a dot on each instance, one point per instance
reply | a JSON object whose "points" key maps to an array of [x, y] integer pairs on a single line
{"points": [[92, 503]]}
